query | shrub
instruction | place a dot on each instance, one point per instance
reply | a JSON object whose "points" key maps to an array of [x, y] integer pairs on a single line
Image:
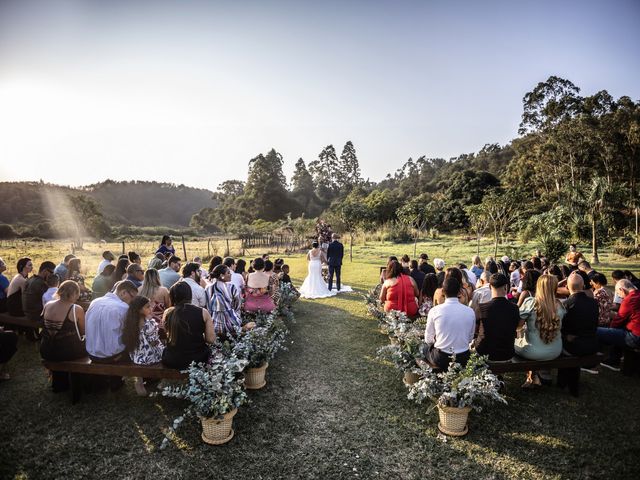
{"points": [[553, 248]]}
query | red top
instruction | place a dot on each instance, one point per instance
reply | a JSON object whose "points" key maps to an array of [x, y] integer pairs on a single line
{"points": [[401, 297], [629, 313]]}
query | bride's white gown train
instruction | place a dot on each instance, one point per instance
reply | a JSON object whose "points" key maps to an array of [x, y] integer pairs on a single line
{"points": [[314, 285]]}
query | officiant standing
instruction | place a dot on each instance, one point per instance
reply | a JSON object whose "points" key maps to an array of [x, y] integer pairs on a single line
{"points": [[335, 252]]}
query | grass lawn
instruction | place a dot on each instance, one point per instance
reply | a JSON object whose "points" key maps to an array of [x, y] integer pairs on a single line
{"points": [[329, 410]]}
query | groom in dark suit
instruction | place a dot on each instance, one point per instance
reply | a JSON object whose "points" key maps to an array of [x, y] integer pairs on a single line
{"points": [[335, 252]]}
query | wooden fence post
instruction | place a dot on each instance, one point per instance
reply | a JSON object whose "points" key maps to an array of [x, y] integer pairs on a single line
{"points": [[184, 249]]}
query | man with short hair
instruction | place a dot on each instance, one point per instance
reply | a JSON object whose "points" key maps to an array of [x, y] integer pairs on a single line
{"points": [[202, 271], [481, 295], [580, 323], [62, 270], [35, 287], [585, 267], [417, 274], [450, 328], [169, 275], [425, 267], [156, 262], [335, 252], [135, 274], [107, 258], [499, 320], [625, 327], [191, 276], [236, 278]]}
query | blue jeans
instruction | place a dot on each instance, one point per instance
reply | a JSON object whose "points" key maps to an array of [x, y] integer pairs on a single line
{"points": [[618, 338]]}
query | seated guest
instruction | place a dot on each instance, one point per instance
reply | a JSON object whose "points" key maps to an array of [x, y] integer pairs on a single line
{"points": [[617, 300], [464, 297], [165, 246], [62, 269], [555, 271], [491, 266], [499, 320], [63, 333], [529, 283], [482, 294], [157, 294], [240, 269], [75, 275], [585, 267], [514, 275], [285, 279], [236, 278], [469, 278], [120, 273], [632, 278], [542, 317], [580, 323], [16, 287], [215, 261], [189, 329], [52, 287], [477, 268], [156, 262], [574, 256], [134, 258], [257, 293], [274, 282], [107, 258], [425, 267], [4, 286], [34, 288], [399, 291], [169, 275], [625, 327], [202, 271], [586, 282], [191, 276], [103, 283], [224, 304], [141, 338], [8, 348], [416, 273], [405, 261], [135, 274], [600, 294], [450, 328], [429, 287], [277, 265], [438, 263], [383, 270], [104, 324]]}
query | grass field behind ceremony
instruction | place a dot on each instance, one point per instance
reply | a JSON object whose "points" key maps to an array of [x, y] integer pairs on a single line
{"points": [[329, 410]]}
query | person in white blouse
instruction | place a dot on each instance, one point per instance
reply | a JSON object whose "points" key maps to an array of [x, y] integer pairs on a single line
{"points": [[107, 258], [450, 329], [191, 276], [237, 279]]}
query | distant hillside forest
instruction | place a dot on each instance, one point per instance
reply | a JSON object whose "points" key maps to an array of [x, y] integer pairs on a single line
{"points": [[102, 210], [571, 174]]}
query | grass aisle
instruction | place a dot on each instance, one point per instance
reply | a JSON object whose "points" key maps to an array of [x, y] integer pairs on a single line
{"points": [[329, 410]]}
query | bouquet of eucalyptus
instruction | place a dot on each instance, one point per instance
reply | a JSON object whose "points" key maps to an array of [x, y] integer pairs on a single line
{"points": [[288, 296], [470, 386], [259, 345], [404, 356], [374, 307], [213, 389], [396, 323]]}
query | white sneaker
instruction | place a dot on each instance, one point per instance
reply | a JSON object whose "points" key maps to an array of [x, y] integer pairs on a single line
{"points": [[592, 371]]}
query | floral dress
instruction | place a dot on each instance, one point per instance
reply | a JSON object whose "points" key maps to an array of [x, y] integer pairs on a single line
{"points": [[427, 305], [150, 347], [604, 306]]}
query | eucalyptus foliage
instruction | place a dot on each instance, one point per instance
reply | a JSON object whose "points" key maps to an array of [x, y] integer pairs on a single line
{"points": [[471, 386], [260, 344]]}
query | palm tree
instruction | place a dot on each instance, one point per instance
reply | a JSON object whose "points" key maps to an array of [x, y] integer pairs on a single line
{"points": [[598, 199]]}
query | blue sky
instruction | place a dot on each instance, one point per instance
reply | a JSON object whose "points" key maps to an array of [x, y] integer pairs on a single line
{"points": [[189, 91]]}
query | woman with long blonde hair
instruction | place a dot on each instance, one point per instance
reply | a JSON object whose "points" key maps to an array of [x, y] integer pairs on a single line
{"points": [[156, 293], [541, 319]]}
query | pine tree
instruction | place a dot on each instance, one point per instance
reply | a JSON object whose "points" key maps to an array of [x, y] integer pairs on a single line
{"points": [[303, 188], [266, 187], [326, 171], [349, 168]]}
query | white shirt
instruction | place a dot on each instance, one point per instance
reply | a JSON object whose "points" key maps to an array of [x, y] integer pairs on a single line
{"points": [[198, 295], [480, 295], [471, 276], [515, 278], [450, 326], [103, 264], [168, 277], [48, 295], [238, 280], [104, 322]]}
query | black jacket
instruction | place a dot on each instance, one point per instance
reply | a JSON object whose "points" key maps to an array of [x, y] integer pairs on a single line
{"points": [[499, 319], [580, 324], [335, 252]]}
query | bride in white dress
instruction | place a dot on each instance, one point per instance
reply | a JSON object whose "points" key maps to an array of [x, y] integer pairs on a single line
{"points": [[314, 285]]}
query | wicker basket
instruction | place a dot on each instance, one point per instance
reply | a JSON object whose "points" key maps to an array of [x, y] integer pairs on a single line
{"points": [[410, 378], [254, 377], [216, 431], [453, 420]]}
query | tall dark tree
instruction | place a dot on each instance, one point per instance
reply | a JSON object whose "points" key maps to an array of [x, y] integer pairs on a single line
{"points": [[325, 172], [266, 189], [303, 188], [349, 168]]}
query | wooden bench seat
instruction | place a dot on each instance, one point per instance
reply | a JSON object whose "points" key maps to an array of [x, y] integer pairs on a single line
{"points": [[85, 365], [518, 364], [6, 319]]}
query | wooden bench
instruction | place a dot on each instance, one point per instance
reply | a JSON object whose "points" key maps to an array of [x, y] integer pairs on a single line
{"points": [[87, 367], [568, 368]]}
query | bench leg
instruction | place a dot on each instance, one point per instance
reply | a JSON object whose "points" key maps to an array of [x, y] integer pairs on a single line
{"points": [[631, 362], [76, 380], [570, 377]]}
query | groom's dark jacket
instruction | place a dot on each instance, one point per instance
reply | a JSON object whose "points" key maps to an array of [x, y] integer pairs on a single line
{"points": [[335, 252]]}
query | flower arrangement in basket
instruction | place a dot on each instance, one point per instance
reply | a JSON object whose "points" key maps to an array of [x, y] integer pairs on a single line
{"points": [[405, 356], [457, 391], [372, 301], [214, 390], [395, 324], [288, 296]]}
